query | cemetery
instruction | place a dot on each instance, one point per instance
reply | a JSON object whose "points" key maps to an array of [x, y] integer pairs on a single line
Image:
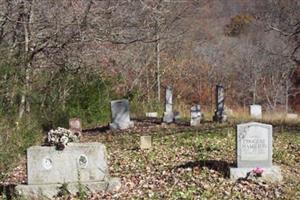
{"points": [[159, 157], [149, 99]]}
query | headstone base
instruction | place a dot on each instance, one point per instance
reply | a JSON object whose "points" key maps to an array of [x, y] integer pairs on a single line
{"points": [[270, 174], [121, 126], [195, 122], [49, 191], [168, 117]]}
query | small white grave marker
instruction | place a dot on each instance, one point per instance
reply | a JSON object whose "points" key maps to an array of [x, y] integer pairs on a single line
{"points": [[151, 114], [146, 142], [255, 111]]}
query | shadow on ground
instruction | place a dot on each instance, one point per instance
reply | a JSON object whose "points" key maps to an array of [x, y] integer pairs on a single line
{"points": [[96, 130], [217, 165], [7, 191]]}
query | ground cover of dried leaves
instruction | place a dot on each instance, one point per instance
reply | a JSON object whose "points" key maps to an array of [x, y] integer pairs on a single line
{"points": [[187, 163]]}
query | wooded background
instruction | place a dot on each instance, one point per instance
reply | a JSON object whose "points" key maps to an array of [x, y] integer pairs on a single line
{"points": [[67, 58]]}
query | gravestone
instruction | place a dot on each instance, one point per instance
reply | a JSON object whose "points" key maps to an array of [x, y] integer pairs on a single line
{"points": [[75, 126], [168, 114], [219, 115], [255, 111], [48, 169], [151, 114], [195, 115], [120, 115], [146, 142], [254, 151]]}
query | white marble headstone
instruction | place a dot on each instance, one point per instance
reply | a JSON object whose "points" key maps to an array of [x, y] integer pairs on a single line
{"points": [[254, 145], [195, 115], [168, 114], [254, 152], [255, 111]]}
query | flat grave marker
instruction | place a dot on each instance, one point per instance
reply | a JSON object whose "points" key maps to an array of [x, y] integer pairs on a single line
{"points": [[146, 142]]}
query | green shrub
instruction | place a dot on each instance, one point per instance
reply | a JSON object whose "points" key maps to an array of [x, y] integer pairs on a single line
{"points": [[15, 139]]}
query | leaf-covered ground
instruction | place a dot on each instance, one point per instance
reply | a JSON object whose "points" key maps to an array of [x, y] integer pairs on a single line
{"points": [[188, 163]]}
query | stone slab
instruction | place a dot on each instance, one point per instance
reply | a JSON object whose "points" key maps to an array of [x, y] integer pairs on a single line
{"points": [[146, 142], [121, 126], [46, 165], [270, 174], [254, 145], [49, 191]]}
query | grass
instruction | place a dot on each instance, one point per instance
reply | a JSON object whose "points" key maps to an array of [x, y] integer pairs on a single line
{"points": [[15, 139], [193, 163]]}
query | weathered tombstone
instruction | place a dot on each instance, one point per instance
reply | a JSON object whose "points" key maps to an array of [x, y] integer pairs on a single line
{"points": [[168, 114], [120, 114], [146, 142], [75, 126], [254, 153], [48, 169], [255, 111], [151, 114], [219, 115], [195, 115], [291, 116]]}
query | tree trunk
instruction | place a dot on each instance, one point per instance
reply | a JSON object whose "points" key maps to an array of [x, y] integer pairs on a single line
{"points": [[158, 67], [24, 104], [286, 96], [254, 92]]}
